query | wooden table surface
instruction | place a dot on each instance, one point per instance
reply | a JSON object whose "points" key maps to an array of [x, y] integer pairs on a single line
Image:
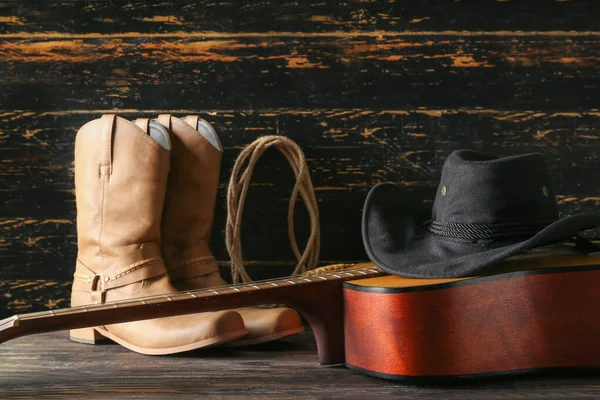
{"points": [[50, 366]]}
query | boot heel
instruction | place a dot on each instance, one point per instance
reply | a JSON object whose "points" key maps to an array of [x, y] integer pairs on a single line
{"points": [[86, 336]]}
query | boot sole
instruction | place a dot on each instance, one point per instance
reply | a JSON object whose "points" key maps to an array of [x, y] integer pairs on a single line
{"points": [[155, 352], [264, 339]]}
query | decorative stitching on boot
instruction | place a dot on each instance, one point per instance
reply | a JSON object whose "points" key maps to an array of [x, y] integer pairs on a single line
{"points": [[133, 267]]}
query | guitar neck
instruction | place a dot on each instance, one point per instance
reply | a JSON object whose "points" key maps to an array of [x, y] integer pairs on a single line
{"points": [[307, 294]]}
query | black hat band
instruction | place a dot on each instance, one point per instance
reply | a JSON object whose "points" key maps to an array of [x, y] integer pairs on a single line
{"points": [[488, 231]]}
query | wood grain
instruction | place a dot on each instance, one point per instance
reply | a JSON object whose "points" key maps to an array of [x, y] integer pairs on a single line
{"points": [[310, 17], [20, 296], [437, 71], [50, 366]]}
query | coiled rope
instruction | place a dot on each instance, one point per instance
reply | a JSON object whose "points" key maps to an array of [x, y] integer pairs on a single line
{"points": [[236, 196]]}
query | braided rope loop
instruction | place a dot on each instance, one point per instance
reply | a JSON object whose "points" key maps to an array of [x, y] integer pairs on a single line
{"points": [[236, 196]]}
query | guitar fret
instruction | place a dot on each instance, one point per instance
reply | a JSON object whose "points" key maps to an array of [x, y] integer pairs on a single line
{"points": [[255, 287], [234, 288], [191, 294], [274, 284], [292, 282]]}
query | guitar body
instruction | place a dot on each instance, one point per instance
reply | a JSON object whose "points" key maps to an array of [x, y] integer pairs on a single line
{"points": [[524, 321]]}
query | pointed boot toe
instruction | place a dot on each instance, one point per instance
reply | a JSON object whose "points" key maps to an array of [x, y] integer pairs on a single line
{"points": [[266, 324], [229, 325], [177, 334]]}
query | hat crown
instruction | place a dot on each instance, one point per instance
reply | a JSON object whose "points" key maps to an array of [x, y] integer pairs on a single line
{"points": [[477, 188]]}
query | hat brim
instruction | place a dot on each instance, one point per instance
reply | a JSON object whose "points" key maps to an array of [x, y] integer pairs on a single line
{"points": [[389, 231]]}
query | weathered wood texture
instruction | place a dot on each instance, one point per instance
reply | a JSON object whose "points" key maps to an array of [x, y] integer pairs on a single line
{"points": [[372, 91], [293, 16], [50, 366], [337, 70]]}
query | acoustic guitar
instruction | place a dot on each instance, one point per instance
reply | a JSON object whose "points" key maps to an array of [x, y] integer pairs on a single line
{"points": [[542, 312]]}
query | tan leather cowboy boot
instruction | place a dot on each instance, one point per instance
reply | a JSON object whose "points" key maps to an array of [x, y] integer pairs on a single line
{"points": [[187, 223], [120, 180]]}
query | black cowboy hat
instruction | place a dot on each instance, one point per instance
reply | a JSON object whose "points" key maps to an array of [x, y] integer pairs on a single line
{"points": [[486, 209]]}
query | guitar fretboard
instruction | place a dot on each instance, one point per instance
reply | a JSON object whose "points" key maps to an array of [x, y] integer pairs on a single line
{"points": [[204, 293]]}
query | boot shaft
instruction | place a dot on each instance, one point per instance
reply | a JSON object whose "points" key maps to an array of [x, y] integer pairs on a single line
{"points": [[191, 195], [120, 182]]}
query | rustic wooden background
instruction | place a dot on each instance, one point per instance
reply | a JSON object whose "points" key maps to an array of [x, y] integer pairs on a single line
{"points": [[372, 91]]}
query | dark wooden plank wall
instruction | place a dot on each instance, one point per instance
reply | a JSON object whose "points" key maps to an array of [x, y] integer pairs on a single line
{"points": [[372, 90]]}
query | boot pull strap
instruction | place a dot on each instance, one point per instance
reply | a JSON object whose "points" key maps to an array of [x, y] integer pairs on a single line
{"points": [[106, 137], [191, 120], [143, 263], [165, 120], [143, 123]]}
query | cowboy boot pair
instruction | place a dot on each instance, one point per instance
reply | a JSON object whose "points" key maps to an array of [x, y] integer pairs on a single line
{"points": [[121, 172], [121, 177]]}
